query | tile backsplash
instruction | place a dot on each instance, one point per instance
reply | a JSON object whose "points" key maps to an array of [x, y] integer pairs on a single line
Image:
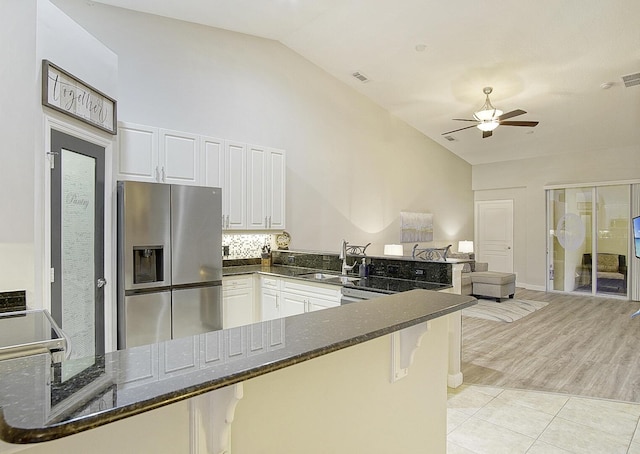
{"points": [[246, 246], [13, 301]]}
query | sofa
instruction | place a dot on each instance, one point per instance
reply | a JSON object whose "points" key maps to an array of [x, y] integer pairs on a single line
{"points": [[611, 271], [477, 280], [470, 266]]}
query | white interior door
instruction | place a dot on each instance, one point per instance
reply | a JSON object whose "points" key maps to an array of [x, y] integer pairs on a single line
{"points": [[494, 234]]}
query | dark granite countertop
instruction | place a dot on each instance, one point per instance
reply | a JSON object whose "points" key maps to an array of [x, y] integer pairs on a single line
{"points": [[375, 283], [36, 406]]}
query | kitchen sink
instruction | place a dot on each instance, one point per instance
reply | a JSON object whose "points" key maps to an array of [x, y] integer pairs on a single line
{"points": [[331, 278]]}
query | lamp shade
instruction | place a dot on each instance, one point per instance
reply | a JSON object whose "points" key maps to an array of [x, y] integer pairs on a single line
{"points": [[465, 246], [393, 249], [488, 125]]}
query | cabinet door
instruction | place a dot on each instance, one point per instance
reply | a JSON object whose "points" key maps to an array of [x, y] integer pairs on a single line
{"points": [[137, 152], [293, 304], [179, 157], [316, 304], [237, 307], [236, 183], [276, 190], [270, 304], [212, 169], [237, 301], [257, 214], [212, 162], [313, 290]]}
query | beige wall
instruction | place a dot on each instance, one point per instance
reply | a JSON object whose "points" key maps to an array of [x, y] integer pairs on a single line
{"points": [[351, 166], [523, 181], [325, 405]]}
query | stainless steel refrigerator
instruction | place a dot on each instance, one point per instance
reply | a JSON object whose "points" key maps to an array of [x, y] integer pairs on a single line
{"points": [[169, 262]]}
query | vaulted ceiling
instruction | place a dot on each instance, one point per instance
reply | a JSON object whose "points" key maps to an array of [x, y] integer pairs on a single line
{"points": [[427, 62]]}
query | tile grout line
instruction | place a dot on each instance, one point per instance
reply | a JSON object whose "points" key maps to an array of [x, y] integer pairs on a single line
{"points": [[547, 426], [553, 419]]}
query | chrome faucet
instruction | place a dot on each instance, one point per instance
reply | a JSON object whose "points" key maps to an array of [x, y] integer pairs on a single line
{"points": [[343, 256]]}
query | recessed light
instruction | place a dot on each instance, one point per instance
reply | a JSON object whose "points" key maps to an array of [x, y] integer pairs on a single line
{"points": [[606, 85]]}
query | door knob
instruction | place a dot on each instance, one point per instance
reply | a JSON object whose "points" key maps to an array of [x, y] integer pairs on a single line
{"points": [[102, 282]]}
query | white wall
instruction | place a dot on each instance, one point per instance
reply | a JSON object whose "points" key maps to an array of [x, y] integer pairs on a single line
{"points": [[36, 30], [352, 167], [18, 98], [524, 181]]}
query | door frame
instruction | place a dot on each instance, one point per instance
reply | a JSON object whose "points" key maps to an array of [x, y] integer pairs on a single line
{"points": [[43, 210]]}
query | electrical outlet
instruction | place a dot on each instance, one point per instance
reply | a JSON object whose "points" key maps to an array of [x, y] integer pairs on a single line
{"points": [[419, 272], [291, 259]]}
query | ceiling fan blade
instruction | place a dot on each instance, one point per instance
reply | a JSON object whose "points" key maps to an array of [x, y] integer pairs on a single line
{"points": [[456, 130], [519, 123], [513, 113], [464, 119], [486, 134]]}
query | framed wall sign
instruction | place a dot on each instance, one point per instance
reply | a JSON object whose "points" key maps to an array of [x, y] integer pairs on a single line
{"points": [[67, 94], [416, 227]]}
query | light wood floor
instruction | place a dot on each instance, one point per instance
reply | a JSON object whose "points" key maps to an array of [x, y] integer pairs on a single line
{"points": [[576, 344]]}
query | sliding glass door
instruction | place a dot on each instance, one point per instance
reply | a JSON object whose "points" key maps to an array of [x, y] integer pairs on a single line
{"points": [[588, 239]]}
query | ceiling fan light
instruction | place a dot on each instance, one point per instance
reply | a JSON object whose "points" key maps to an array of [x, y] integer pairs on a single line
{"points": [[488, 125], [487, 114]]}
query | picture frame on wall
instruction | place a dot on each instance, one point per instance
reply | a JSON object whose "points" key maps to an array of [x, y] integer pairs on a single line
{"points": [[416, 227], [63, 92]]}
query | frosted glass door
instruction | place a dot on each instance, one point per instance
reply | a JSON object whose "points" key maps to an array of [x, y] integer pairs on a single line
{"points": [[77, 245]]}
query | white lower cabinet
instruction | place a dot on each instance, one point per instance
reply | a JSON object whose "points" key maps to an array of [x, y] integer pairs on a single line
{"points": [[285, 297], [237, 301], [275, 298], [270, 298], [293, 304]]}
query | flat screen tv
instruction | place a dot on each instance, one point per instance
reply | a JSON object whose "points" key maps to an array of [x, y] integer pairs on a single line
{"points": [[636, 235]]}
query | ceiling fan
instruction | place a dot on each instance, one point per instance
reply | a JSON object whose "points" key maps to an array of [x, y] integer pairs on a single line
{"points": [[489, 118]]}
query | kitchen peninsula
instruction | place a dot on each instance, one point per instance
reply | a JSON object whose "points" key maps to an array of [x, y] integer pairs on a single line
{"points": [[370, 376]]}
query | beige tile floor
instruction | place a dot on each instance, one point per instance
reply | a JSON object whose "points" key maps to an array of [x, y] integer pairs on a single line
{"points": [[490, 420]]}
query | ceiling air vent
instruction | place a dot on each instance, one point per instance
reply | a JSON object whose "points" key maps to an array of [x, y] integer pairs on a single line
{"points": [[631, 80], [450, 138], [361, 77]]}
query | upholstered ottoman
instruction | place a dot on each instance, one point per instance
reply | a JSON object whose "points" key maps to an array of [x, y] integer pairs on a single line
{"points": [[493, 284]]}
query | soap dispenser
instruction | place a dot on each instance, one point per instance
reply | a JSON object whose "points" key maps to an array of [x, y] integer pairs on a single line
{"points": [[362, 269]]}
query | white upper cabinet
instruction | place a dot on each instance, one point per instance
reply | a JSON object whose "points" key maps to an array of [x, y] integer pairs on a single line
{"points": [[224, 166], [137, 152], [157, 155], [266, 188], [276, 190], [213, 162], [257, 217], [179, 157], [235, 186], [252, 177]]}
